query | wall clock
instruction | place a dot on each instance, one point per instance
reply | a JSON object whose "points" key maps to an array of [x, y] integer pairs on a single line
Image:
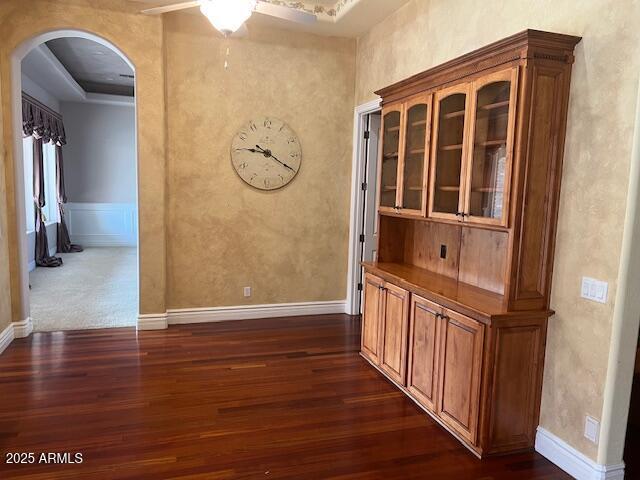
{"points": [[266, 153]]}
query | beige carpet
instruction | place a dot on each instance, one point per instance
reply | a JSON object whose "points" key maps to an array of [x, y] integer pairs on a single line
{"points": [[96, 288]]}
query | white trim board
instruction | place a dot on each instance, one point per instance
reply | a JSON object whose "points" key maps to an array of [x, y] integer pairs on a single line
{"points": [[15, 330], [355, 217], [572, 461], [152, 321], [6, 337], [242, 312]]}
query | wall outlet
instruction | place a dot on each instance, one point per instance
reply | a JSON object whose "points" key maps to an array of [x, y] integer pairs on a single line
{"points": [[247, 291], [591, 429], [595, 290]]}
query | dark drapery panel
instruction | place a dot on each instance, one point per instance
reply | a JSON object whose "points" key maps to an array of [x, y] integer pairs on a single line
{"points": [[42, 245], [64, 241]]}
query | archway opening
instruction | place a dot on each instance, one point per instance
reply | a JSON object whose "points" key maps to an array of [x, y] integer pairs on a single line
{"points": [[75, 174]]}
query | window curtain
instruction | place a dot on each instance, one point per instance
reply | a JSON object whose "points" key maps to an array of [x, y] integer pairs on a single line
{"points": [[42, 257], [64, 241], [45, 126]]}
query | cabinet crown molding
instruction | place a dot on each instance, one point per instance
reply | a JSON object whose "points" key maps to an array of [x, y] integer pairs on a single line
{"points": [[528, 44]]}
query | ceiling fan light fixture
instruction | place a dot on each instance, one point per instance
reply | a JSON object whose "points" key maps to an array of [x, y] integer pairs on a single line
{"points": [[227, 16]]}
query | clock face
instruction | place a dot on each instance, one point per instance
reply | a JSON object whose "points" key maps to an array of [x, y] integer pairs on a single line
{"points": [[266, 153]]}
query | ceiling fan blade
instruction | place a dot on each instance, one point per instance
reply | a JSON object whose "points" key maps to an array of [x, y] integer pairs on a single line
{"points": [[243, 31], [285, 13], [170, 8]]}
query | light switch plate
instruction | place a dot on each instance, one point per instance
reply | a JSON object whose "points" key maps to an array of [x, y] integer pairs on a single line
{"points": [[247, 291], [595, 290], [591, 429]]}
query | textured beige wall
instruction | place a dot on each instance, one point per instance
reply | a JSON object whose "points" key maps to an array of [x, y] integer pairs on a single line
{"points": [[290, 245], [5, 289], [140, 38], [425, 33]]}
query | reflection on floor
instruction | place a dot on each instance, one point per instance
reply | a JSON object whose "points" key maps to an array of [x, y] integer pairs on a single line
{"points": [[93, 289]]}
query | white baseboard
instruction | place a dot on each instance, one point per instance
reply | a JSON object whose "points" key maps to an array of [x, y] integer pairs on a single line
{"points": [[6, 337], [15, 330], [102, 224], [246, 312], [572, 461], [152, 321], [23, 328], [242, 312]]}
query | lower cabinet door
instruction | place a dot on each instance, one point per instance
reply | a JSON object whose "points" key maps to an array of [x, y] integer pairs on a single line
{"points": [[422, 374], [461, 348], [371, 317], [395, 321]]}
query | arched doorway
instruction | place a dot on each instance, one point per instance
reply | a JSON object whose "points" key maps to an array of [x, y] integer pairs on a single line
{"points": [[22, 246]]}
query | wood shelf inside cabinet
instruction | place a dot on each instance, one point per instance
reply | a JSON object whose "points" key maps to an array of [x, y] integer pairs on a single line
{"points": [[418, 123], [451, 147], [449, 188], [456, 114], [487, 190], [390, 156], [393, 129], [493, 106], [492, 143], [389, 187], [415, 151], [414, 189]]}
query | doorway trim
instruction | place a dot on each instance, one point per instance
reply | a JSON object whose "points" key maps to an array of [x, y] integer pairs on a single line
{"points": [[24, 327], [355, 216], [626, 320]]}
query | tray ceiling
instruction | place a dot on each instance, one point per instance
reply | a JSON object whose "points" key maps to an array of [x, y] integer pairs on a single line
{"points": [[343, 18]]}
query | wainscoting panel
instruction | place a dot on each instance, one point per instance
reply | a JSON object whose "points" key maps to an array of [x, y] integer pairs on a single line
{"points": [[102, 224]]}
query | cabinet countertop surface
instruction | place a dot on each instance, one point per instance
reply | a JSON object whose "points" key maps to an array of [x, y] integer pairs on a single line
{"points": [[480, 304]]}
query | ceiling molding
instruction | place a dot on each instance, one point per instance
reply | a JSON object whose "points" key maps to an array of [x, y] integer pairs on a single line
{"points": [[73, 92], [324, 13], [52, 61], [105, 98]]}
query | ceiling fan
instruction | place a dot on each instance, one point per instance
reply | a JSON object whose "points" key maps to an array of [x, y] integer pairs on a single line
{"points": [[228, 16]]}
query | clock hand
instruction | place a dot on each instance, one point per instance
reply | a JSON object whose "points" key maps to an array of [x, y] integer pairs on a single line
{"points": [[267, 153]]}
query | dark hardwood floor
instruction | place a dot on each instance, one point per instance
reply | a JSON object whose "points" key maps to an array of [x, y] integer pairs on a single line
{"points": [[256, 399]]}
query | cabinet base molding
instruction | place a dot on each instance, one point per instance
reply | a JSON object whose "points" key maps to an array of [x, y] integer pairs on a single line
{"points": [[427, 411], [572, 461]]}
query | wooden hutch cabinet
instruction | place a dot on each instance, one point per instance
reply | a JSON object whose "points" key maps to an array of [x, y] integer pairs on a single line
{"points": [[457, 303]]}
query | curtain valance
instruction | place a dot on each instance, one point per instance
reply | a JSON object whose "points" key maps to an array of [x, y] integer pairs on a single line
{"points": [[41, 122]]}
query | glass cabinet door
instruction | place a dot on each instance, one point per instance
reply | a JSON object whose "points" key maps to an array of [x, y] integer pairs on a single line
{"points": [[489, 169], [449, 149], [415, 156], [390, 155]]}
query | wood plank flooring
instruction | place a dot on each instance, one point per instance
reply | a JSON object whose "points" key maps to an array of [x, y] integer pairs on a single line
{"points": [[256, 399]]}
